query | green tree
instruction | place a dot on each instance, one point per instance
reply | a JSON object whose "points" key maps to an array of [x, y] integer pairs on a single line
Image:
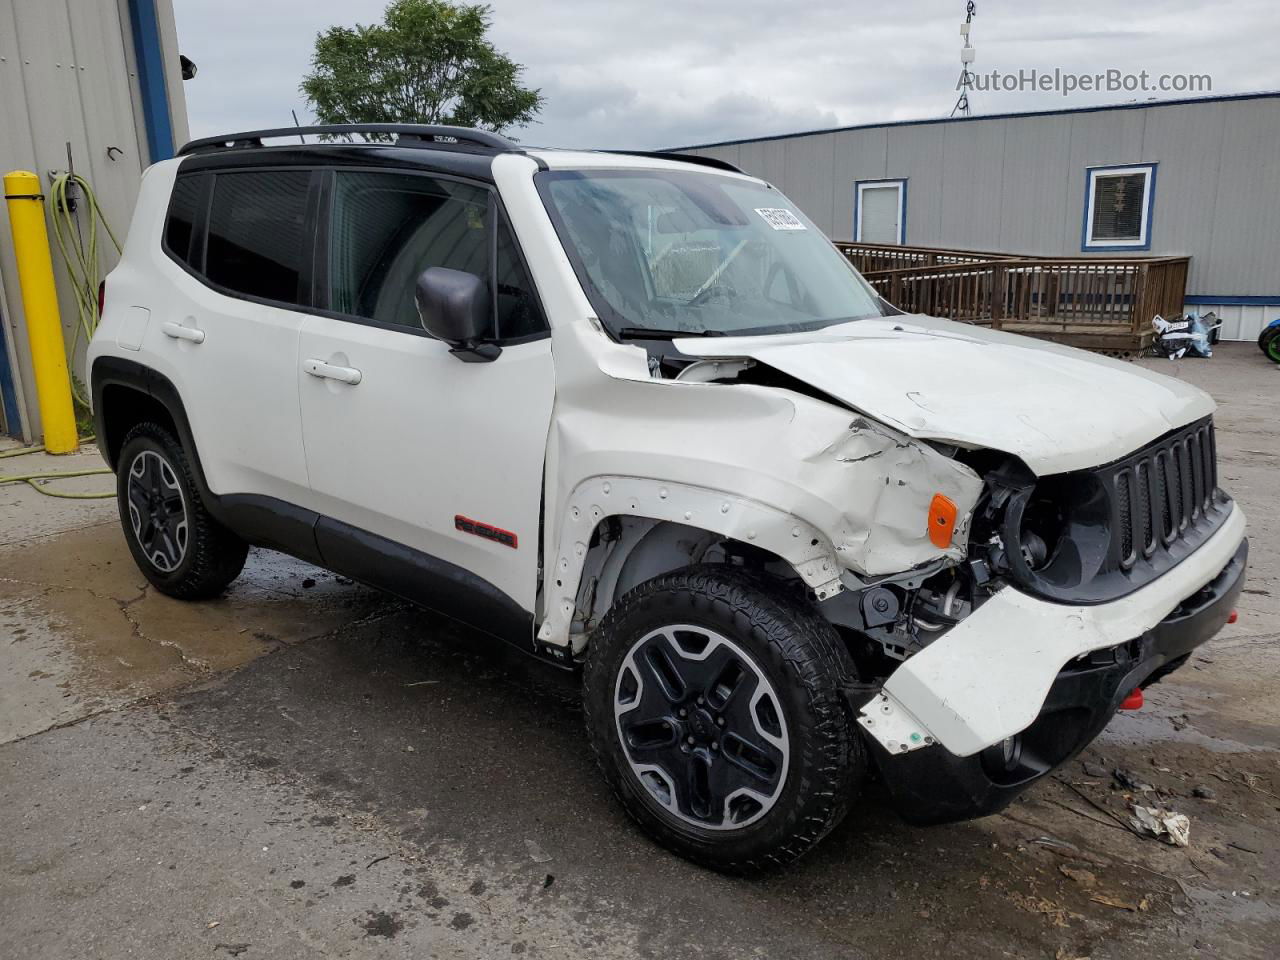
{"points": [[429, 61]]}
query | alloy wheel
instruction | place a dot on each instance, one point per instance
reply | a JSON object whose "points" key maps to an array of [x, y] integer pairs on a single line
{"points": [[702, 727], [157, 511]]}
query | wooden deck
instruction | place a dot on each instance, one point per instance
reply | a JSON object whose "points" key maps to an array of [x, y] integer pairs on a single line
{"points": [[1103, 304]]}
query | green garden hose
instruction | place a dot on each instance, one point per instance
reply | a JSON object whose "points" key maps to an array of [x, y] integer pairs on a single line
{"points": [[33, 478], [80, 254]]}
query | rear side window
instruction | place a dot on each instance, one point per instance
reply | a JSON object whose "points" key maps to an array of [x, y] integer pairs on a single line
{"points": [[180, 226], [256, 233]]}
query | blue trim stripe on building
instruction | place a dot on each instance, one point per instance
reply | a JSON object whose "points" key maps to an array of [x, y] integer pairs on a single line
{"points": [[1225, 301], [155, 96], [8, 395]]}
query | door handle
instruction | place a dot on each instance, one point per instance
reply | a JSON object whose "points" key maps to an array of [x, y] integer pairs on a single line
{"points": [[171, 328], [318, 368]]}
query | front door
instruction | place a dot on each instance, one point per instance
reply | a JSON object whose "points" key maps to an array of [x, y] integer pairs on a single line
{"points": [[404, 440]]}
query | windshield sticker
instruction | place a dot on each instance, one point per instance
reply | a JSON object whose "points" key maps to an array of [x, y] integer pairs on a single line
{"points": [[780, 218]]}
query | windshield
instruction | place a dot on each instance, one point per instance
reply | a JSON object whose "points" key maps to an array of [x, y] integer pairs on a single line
{"points": [[687, 253]]}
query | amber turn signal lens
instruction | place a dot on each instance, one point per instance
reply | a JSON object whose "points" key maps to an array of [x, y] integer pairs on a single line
{"points": [[942, 521]]}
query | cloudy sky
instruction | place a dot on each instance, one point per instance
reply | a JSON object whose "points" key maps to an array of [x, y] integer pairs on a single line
{"points": [[635, 74]]}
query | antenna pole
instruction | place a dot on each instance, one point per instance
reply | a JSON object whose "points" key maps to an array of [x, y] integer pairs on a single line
{"points": [[967, 53]]}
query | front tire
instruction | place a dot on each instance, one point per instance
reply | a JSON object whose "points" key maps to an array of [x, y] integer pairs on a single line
{"points": [[713, 706], [178, 546]]}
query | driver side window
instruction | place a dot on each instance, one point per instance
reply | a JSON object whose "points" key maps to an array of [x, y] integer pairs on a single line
{"points": [[386, 228]]}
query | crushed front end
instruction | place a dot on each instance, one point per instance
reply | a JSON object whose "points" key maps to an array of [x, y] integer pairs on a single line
{"points": [[1078, 588]]}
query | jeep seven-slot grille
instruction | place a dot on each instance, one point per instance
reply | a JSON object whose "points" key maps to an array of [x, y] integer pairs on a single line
{"points": [[1163, 491]]}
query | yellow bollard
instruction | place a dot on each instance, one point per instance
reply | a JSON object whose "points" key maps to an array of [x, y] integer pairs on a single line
{"points": [[40, 304]]}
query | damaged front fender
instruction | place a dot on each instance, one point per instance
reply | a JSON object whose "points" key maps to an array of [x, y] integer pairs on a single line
{"points": [[892, 481]]}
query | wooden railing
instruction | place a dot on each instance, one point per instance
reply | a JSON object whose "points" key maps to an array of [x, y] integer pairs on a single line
{"points": [[1076, 300], [872, 257]]}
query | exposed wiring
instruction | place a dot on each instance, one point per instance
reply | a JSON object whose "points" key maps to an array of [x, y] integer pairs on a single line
{"points": [[80, 254]]}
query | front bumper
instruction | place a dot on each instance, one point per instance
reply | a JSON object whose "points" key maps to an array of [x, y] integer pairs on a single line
{"points": [[934, 785]]}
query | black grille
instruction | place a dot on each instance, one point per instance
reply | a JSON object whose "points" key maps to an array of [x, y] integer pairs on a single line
{"points": [[1113, 529], [1164, 492]]}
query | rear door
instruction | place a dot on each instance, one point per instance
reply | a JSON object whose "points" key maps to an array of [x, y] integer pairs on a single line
{"points": [[404, 440], [228, 338]]}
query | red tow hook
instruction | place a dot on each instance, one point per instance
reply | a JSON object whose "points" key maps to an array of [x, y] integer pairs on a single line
{"points": [[1133, 701], [1235, 615]]}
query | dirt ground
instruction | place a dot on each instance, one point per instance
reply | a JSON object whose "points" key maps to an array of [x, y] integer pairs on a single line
{"points": [[306, 768]]}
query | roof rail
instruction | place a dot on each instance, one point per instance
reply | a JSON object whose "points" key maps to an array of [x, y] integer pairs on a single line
{"points": [[713, 162], [407, 134]]}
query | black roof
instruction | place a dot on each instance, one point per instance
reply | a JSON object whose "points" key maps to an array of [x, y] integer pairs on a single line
{"points": [[460, 150]]}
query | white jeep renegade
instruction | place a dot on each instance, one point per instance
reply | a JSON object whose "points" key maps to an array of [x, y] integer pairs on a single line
{"points": [[636, 415]]}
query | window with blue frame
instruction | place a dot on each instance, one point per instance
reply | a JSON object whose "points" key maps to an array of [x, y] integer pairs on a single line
{"points": [[1117, 207]]}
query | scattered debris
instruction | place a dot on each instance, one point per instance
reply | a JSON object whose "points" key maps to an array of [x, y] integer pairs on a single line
{"points": [[536, 853], [1240, 846], [1114, 820], [1180, 722], [1130, 780], [421, 683], [377, 860], [1253, 781], [1172, 828], [547, 881], [1055, 914], [1141, 906], [1070, 851], [1094, 769], [1204, 793], [235, 949], [1065, 954], [308, 583], [213, 923], [1086, 878]]}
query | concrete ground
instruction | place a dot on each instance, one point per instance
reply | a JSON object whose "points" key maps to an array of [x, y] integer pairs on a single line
{"points": [[307, 768]]}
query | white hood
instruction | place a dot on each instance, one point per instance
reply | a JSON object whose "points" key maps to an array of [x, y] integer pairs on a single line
{"points": [[1055, 407]]}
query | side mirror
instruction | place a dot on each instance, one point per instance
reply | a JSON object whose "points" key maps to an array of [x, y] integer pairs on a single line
{"points": [[455, 306]]}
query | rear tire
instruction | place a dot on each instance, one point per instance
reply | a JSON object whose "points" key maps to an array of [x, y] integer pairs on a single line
{"points": [[174, 540], [714, 708]]}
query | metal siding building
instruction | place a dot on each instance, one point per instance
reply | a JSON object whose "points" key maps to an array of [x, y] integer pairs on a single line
{"points": [[104, 77], [1016, 183]]}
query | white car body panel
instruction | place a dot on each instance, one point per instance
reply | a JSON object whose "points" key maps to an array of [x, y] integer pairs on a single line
{"points": [[1054, 407], [987, 678], [239, 384], [468, 440]]}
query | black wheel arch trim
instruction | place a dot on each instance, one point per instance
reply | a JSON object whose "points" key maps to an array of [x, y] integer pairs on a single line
{"points": [[122, 372]]}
